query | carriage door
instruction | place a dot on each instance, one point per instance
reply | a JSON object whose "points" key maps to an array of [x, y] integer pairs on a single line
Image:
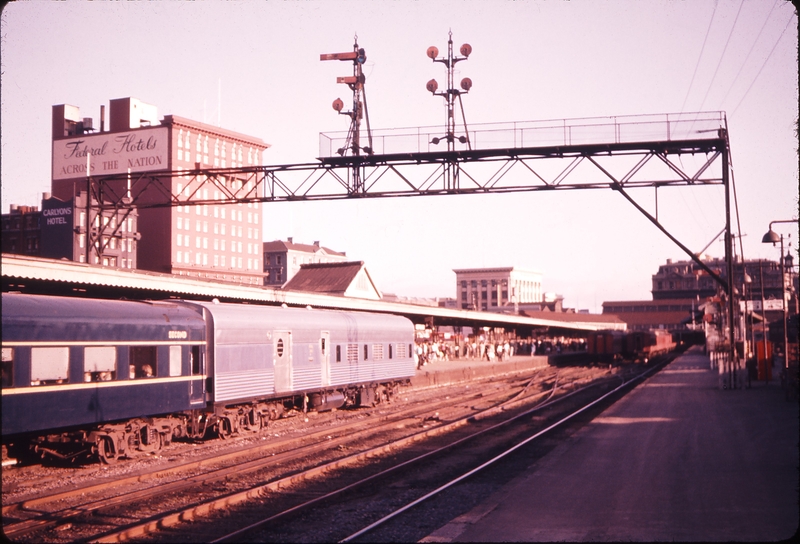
{"points": [[197, 389], [282, 359], [325, 356]]}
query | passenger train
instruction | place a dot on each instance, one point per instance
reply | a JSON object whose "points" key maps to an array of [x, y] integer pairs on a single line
{"points": [[109, 379]]}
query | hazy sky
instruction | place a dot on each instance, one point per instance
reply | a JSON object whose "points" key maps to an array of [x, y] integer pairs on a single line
{"points": [[531, 60]]}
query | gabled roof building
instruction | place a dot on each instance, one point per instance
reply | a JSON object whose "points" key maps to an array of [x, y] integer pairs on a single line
{"points": [[282, 260], [346, 279]]}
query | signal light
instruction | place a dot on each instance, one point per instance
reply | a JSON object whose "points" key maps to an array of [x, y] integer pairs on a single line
{"points": [[432, 85], [466, 84], [338, 104], [362, 56], [432, 52], [466, 49]]}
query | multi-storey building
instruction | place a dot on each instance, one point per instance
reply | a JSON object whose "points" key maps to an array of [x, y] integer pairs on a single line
{"points": [[221, 242], [22, 231], [58, 231], [282, 260], [687, 280], [492, 289]]}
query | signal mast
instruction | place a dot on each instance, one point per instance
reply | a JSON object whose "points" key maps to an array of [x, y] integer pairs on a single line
{"points": [[359, 111], [451, 94]]}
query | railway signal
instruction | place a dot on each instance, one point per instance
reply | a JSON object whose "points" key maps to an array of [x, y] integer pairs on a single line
{"points": [[358, 57], [451, 94]]}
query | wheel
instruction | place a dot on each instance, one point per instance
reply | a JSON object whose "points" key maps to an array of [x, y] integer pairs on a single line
{"points": [[224, 428], [106, 451]]}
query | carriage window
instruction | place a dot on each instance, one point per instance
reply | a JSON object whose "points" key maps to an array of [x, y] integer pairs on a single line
{"points": [[49, 365], [195, 355], [322, 346], [280, 347], [390, 351], [410, 350], [338, 354], [8, 367], [99, 363], [142, 362], [174, 360], [366, 352]]}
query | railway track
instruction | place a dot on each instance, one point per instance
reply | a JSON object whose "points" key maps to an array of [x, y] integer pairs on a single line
{"points": [[80, 508]]}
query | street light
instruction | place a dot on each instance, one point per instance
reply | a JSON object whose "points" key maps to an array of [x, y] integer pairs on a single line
{"points": [[772, 237]]}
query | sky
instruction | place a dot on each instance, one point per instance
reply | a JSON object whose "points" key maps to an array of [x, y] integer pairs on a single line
{"points": [[254, 67]]}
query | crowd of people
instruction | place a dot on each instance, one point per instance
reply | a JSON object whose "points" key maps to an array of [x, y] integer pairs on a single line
{"points": [[491, 348]]}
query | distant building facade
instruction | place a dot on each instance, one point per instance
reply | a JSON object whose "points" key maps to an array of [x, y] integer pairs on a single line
{"points": [[282, 260], [493, 289], [58, 231], [687, 280], [221, 242], [21, 230]]}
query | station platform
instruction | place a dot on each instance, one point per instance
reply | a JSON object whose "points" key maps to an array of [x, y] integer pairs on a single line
{"points": [[465, 370], [676, 459]]}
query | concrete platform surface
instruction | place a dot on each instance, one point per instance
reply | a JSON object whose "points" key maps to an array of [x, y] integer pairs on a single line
{"points": [[676, 459]]}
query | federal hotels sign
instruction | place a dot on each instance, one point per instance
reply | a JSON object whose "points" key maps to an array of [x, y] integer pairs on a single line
{"points": [[111, 153]]}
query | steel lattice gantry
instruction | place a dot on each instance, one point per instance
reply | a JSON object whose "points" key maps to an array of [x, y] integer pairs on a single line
{"points": [[619, 166]]}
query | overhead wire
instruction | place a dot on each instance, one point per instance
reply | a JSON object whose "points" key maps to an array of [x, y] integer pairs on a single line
{"points": [[752, 47], [722, 56], [697, 65], [763, 64]]}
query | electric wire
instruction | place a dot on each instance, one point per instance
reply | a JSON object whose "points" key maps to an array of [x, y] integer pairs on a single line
{"points": [[752, 47], [722, 56], [697, 65], [763, 64]]}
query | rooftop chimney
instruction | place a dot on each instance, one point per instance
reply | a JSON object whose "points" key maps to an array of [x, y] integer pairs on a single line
{"points": [[289, 239]]}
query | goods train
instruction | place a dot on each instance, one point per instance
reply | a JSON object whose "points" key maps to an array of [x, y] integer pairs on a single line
{"points": [[609, 346], [87, 378]]}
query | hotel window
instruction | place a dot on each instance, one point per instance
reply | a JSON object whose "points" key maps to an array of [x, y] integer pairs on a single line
{"points": [[255, 218], [205, 258], [197, 210], [197, 242], [222, 213], [216, 244], [216, 260], [222, 260], [180, 222], [196, 258], [205, 226], [198, 226], [81, 240], [240, 217], [222, 245], [180, 138], [239, 154], [240, 250], [216, 210], [205, 243], [216, 147], [240, 262], [240, 230], [180, 256], [222, 228]]}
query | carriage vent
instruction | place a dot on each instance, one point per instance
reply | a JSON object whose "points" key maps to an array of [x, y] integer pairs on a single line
{"points": [[377, 352], [352, 353], [401, 351]]}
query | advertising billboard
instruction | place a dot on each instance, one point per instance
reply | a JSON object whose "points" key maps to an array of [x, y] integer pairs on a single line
{"points": [[139, 150]]}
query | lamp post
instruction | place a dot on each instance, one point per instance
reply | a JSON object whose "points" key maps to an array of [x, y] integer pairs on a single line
{"points": [[772, 237]]}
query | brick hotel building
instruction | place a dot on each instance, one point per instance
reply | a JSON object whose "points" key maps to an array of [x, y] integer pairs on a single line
{"points": [[209, 241]]}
